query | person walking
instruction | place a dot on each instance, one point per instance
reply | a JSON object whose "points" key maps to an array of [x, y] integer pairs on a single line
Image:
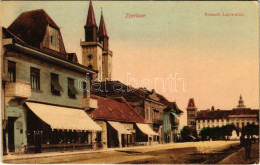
{"points": [[247, 146]]}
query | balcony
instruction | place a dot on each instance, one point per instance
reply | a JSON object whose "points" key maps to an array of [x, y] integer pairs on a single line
{"points": [[89, 103], [158, 121], [18, 90]]}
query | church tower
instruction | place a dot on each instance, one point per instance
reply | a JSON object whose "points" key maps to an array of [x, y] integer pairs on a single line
{"points": [[95, 48], [91, 48], [107, 54], [191, 114]]}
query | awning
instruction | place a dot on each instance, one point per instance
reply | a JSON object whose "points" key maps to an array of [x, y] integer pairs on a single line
{"points": [[175, 115], [119, 127], [146, 129], [64, 118]]}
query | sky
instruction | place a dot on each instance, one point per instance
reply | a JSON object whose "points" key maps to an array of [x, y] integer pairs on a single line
{"points": [[212, 59]]}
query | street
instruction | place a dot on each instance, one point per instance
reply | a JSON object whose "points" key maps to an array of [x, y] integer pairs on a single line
{"points": [[192, 152]]}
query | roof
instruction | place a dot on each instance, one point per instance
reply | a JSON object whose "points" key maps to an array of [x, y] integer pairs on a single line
{"points": [[169, 104], [116, 88], [30, 26], [191, 103], [115, 111], [78, 118], [102, 27], [91, 21], [215, 114], [20, 45]]}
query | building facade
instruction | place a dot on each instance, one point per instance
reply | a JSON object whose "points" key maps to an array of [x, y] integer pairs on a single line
{"points": [[121, 125], [148, 104], [43, 87], [171, 120], [95, 49], [239, 117]]}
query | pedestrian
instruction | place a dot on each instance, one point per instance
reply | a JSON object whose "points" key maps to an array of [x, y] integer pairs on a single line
{"points": [[247, 146]]}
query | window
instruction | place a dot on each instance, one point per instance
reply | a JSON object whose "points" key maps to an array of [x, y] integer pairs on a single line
{"points": [[85, 89], [55, 85], [192, 116], [90, 66], [72, 91], [54, 39], [90, 56], [11, 71], [35, 79]]}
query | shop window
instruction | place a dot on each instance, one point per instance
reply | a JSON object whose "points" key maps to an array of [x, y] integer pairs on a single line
{"points": [[72, 91], [55, 85], [35, 79], [11, 71]]}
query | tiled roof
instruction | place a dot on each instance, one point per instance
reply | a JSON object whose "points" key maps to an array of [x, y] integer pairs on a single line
{"points": [[30, 26], [115, 111], [209, 114]]}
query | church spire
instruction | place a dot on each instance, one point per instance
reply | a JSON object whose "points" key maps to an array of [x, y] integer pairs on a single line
{"points": [[91, 26], [91, 21], [103, 36], [102, 26]]}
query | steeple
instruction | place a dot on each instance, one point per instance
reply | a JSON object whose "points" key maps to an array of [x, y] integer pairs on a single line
{"points": [[241, 102], [91, 21], [102, 27], [91, 26], [103, 36]]}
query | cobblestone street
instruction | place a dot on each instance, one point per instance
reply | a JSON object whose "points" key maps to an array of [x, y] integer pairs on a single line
{"points": [[197, 152]]}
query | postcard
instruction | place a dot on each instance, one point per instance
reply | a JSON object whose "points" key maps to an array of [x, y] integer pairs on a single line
{"points": [[130, 82]]}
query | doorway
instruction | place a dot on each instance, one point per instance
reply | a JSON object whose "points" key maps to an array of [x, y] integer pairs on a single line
{"points": [[11, 142]]}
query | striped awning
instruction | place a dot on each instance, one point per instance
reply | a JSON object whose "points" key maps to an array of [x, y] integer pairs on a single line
{"points": [[119, 127], [64, 118], [146, 129]]}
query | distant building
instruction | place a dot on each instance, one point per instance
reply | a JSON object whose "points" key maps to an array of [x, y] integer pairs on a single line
{"points": [[239, 117], [191, 114], [95, 49]]}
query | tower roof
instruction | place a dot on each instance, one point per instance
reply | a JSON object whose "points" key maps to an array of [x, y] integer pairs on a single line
{"points": [[241, 102], [91, 21], [191, 103], [102, 27]]}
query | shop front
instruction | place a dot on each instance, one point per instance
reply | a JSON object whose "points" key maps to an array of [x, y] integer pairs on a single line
{"points": [[57, 128], [145, 135], [118, 135]]}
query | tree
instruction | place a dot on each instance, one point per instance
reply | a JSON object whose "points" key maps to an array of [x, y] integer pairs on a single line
{"points": [[186, 132]]}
